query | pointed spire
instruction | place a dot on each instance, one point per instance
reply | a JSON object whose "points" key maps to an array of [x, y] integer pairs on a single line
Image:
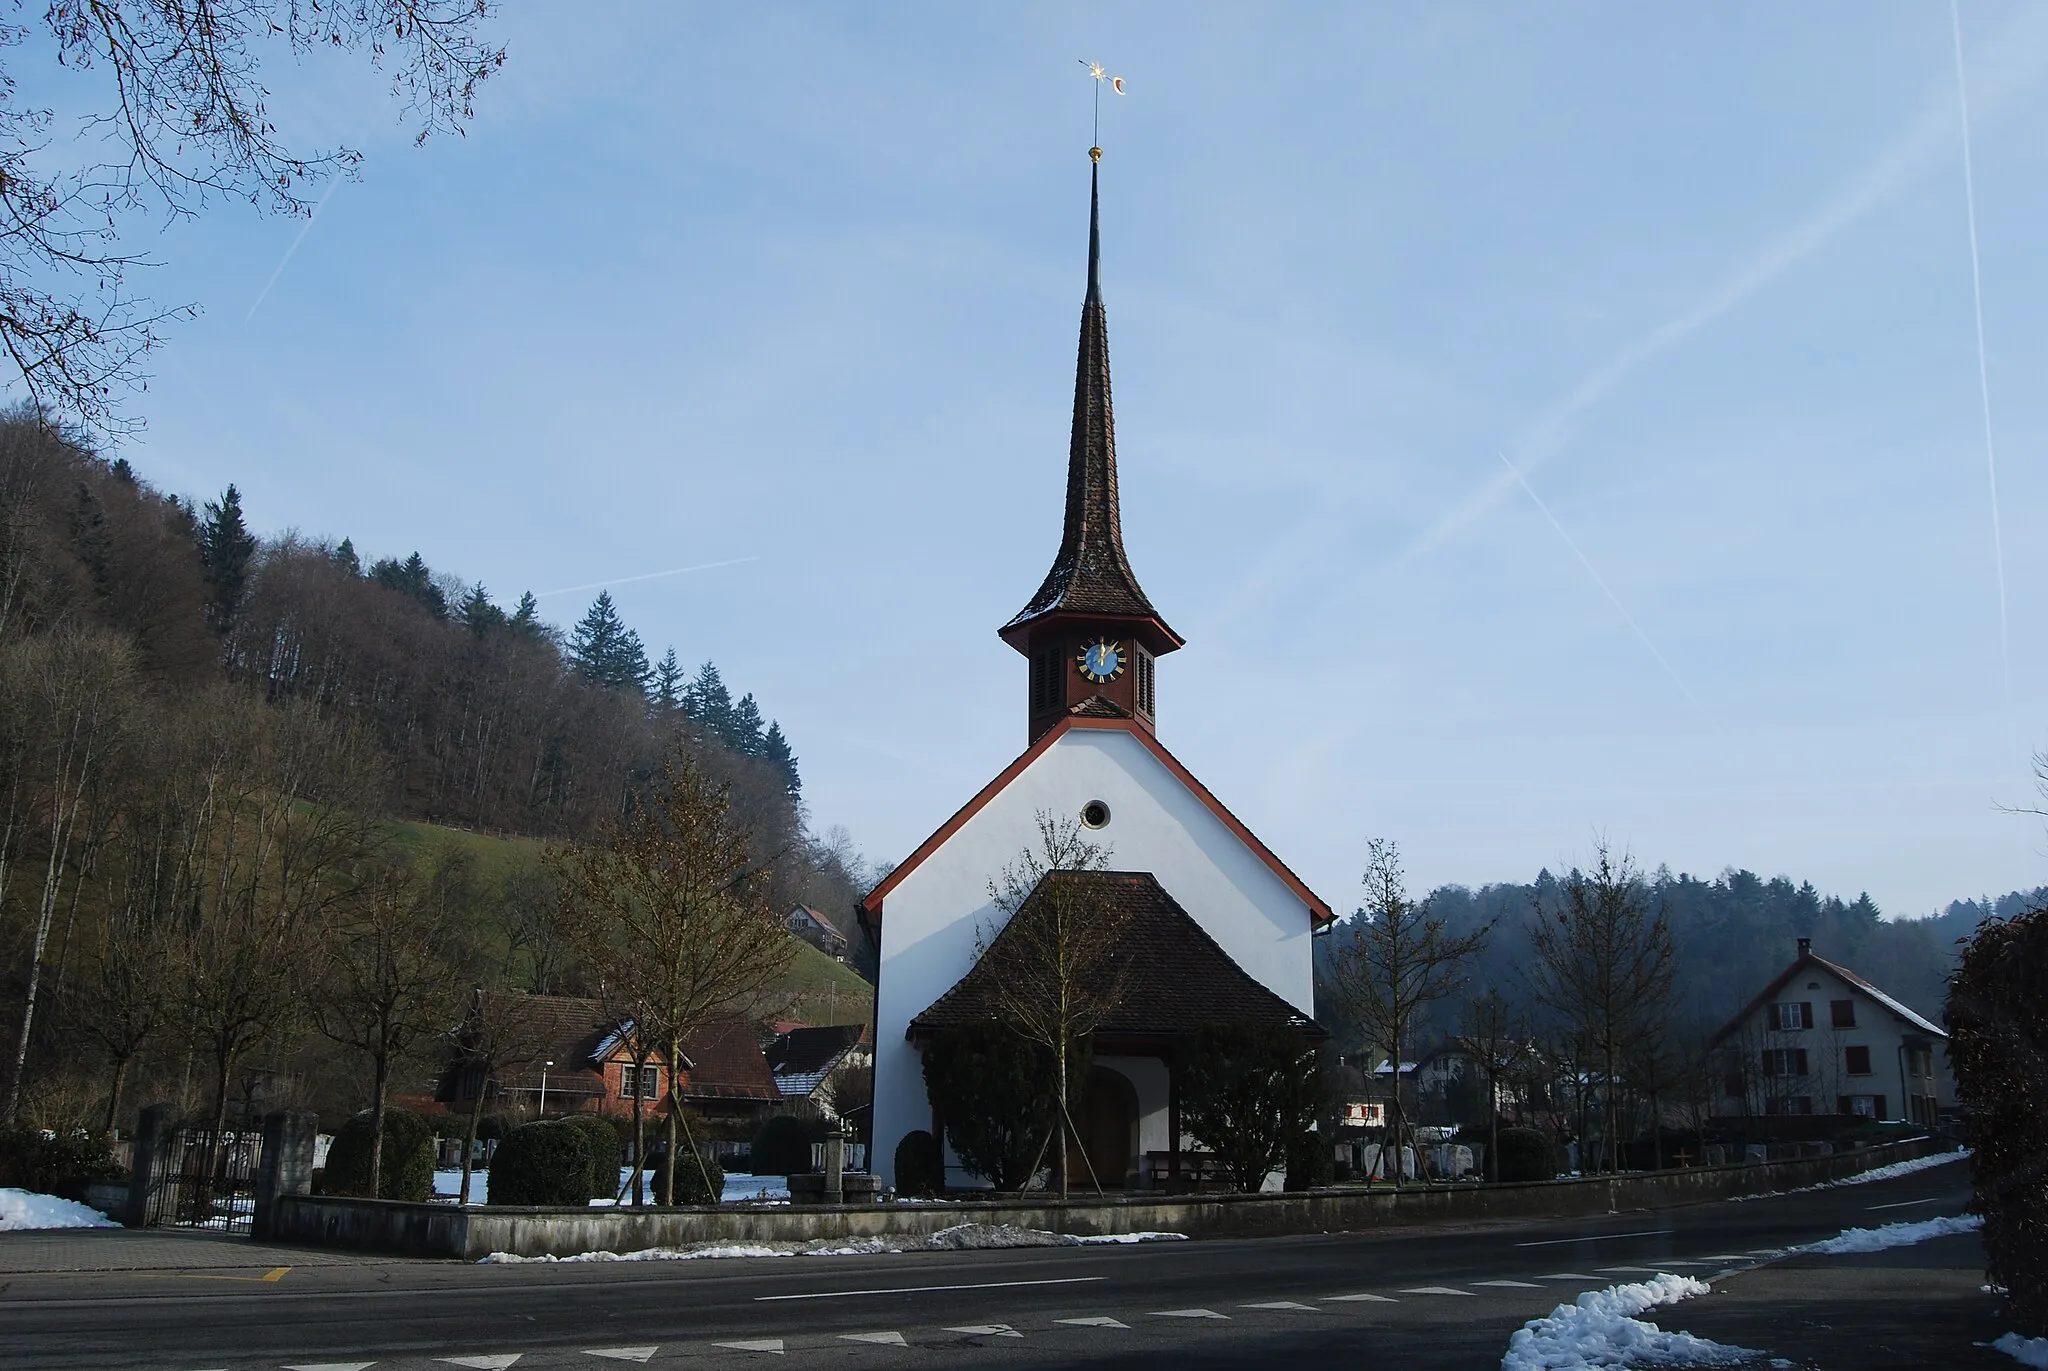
{"points": [[1091, 575]]}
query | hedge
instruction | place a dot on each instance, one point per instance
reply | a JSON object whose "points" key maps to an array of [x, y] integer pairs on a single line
{"points": [[61, 1164], [408, 1172], [607, 1155], [920, 1169], [783, 1146], [691, 1179], [543, 1163], [1524, 1154]]}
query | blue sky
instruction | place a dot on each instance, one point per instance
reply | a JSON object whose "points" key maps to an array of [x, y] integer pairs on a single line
{"points": [[801, 284]]}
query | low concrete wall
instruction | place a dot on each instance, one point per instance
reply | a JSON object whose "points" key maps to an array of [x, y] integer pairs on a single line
{"points": [[431, 1230]]}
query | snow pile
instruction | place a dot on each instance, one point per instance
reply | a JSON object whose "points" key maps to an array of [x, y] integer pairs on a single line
{"points": [[1602, 1330], [1879, 1173], [1893, 1235], [739, 1187], [962, 1237], [22, 1210], [2032, 1352]]}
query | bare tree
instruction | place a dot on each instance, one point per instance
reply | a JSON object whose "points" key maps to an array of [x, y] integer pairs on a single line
{"points": [[184, 112], [1605, 964], [1399, 959], [675, 918], [497, 1034], [1059, 958], [1496, 1036]]}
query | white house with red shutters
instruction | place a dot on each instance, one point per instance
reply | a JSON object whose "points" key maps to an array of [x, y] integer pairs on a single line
{"points": [[1819, 1039], [1223, 927]]}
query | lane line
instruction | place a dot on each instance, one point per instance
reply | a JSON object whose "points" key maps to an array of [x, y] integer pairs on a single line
{"points": [[1567, 1276], [1283, 1304], [1902, 1204], [890, 1339], [1436, 1290], [987, 1330], [1095, 1321], [1187, 1314], [922, 1289], [1358, 1299], [272, 1277], [1599, 1237], [1510, 1285], [773, 1345]]}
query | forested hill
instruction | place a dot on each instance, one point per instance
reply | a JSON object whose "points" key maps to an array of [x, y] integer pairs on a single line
{"points": [[1733, 934], [485, 716]]}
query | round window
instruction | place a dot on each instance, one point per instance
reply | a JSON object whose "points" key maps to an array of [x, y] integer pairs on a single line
{"points": [[1095, 814]]}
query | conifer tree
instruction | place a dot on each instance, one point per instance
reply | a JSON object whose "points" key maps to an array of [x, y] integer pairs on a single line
{"points": [[345, 558], [411, 577], [708, 703], [775, 751], [744, 735], [525, 618], [604, 651], [477, 613], [226, 547], [668, 683]]}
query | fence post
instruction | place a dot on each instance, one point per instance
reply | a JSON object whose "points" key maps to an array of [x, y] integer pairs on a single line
{"points": [[286, 1167], [146, 1158]]}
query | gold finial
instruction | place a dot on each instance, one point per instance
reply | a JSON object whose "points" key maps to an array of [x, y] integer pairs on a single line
{"points": [[1095, 154]]}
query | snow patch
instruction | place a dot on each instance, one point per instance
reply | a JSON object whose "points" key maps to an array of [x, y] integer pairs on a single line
{"points": [[1601, 1330], [962, 1237], [2031, 1352], [1880, 1173], [1894, 1235], [24, 1210]]}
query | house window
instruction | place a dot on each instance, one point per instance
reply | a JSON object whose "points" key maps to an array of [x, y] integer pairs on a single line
{"points": [[1862, 1106], [1857, 1059], [1784, 1061], [1792, 1015], [640, 1082], [1789, 1104], [1842, 1013], [1732, 1085]]}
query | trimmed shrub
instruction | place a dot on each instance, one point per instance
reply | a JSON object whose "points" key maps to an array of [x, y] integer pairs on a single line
{"points": [[1998, 1024], [607, 1153], [920, 1167], [61, 1164], [543, 1163], [1248, 1092], [1524, 1154], [699, 1179], [783, 1146], [408, 1157], [994, 1089]]}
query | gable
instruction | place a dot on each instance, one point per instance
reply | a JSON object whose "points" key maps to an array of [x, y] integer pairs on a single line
{"points": [[1318, 910], [1806, 963]]}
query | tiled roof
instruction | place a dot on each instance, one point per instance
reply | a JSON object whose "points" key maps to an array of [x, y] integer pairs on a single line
{"points": [[1091, 574], [1806, 959], [1176, 978], [723, 1060], [812, 1049]]}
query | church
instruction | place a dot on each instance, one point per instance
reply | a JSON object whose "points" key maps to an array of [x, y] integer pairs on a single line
{"points": [[1218, 926]]}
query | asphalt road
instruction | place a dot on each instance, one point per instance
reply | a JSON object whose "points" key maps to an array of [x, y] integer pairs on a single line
{"points": [[1420, 1298]]}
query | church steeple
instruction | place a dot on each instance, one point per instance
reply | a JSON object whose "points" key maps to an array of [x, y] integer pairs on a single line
{"points": [[1090, 601]]}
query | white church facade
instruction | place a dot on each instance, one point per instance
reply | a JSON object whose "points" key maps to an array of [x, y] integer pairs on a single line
{"points": [[1219, 928]]}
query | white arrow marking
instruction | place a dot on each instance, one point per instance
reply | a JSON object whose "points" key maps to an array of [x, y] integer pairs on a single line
{"points": [[754, 1345], [333, 1366], [882, 1339], [1567, 1276], [1436, 1290], [1511, 1285], [622, 1353], [988, 1330], [1375, 1299], [1187, 1314], [1282, 1304], [495, 1361], [1095, 1321]]}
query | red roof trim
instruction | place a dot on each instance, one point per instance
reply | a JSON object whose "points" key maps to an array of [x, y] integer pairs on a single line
{"points": [[1320, 913]]}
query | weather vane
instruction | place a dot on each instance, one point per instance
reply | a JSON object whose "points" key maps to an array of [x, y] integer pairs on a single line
{"points": [[1102, 78]]}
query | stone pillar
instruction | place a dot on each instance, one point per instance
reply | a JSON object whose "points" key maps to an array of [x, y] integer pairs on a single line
{"points": [[289, 1136], [152, 1134], [835, 1165]]}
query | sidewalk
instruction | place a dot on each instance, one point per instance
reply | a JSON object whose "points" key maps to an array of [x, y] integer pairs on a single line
{"points": [[1909, 1308], [158, 1249]]}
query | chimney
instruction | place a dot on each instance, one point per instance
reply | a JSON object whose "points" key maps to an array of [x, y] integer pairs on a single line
{"points": [[1806, 947]]}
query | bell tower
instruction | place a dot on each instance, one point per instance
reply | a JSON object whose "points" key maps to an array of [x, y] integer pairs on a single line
{"points": [[1089, 635]]}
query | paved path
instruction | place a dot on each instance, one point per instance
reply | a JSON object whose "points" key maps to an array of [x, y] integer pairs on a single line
{"points": [[1416, 1298]]}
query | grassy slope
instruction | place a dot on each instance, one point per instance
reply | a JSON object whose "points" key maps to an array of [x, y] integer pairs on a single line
{"points": [[816, 989]]}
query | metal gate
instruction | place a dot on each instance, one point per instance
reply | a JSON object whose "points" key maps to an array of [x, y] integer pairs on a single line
{"points": [[206, 1179]]}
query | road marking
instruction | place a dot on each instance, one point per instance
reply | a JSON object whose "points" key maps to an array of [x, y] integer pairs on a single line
{"points": [[1187, 1314], [1435, 1290], [1511, 1285], [1352, 1299], [1727, 1259], [271, 1277], [1283, 1304], [496, 1361], [987, 1330], [879, 1339], [1095, 1321], [1597, 1237], [622, 1353], [921, 1289], [332, 1366], [1626, 1270], [1902, 1204], [1567, 1276], [751, 1345]]}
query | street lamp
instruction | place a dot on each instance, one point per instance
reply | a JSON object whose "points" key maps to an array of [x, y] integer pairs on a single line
{"points": [[544, 1088]]}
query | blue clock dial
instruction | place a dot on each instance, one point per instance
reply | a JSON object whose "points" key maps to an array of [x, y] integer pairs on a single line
{"points": [[1102, 660]]}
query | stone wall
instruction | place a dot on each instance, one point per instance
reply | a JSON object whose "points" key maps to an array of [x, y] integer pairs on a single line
{"points": [[434, 1230]]}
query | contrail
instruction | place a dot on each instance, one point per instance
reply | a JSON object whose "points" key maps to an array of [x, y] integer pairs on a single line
{"points": [[304, 229], [1955, 18], [645, 576], [1602, 583]]}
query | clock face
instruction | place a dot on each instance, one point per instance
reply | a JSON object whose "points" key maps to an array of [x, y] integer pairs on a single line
{"points": [[1102, 660]]}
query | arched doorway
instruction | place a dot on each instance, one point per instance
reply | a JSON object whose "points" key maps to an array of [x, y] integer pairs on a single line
{"points": [[1108, 1125]]}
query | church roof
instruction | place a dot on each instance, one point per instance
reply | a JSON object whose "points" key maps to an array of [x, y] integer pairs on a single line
{"points": [[1319, 911], [1175, 977], [1091, 574]]}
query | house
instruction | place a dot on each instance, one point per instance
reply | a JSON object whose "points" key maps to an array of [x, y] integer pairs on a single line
{"points": [[815, 929], [1819, 1039], [582, 1061], [808, 1062], [1219, 927]]}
